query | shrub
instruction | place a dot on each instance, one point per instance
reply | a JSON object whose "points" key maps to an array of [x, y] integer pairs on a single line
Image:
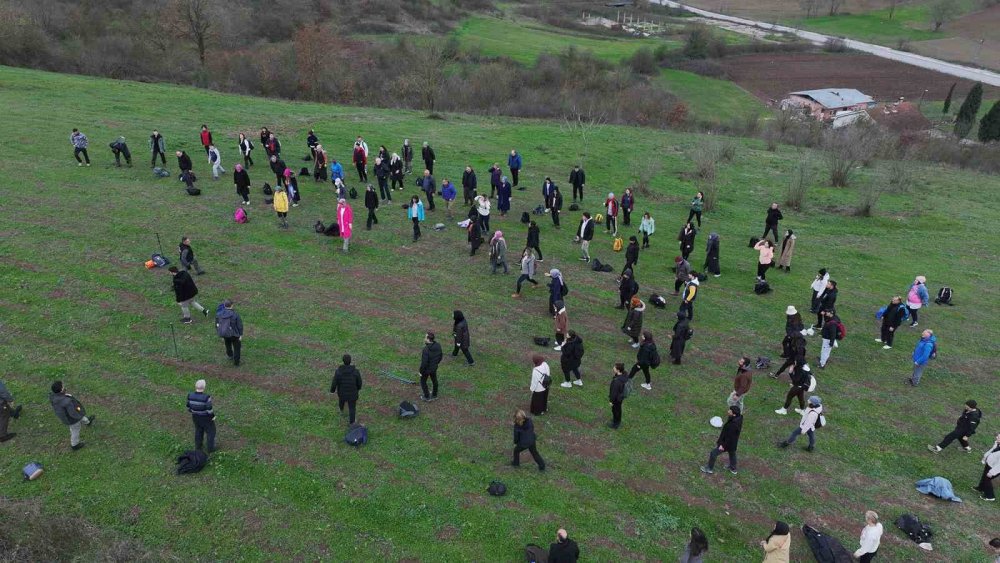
{"points": [[697, 42], [868, 197], [795, 192], [711, 190], [835, 45], [989, 126], [705, 159], [966, 116], [643, 62], [848, 147], [898, 176]]}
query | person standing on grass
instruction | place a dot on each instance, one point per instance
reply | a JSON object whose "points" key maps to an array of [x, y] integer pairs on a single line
{"points": [[892, 317], [777, 545], [632, 326], [557, 203], [627, 205], [571, 358], [697, 204], [359, 141], [564, 550], [556, 289], [407, 156], [527, 271], [678, 341], [187, 256], [199, 404], [185, 291], [991, 468], [787, 249], [280, 204], [611, 214], [616, 395], [741, 384], [647, 357], [729, 439], [80, 143], [265, 134], [871, 537], [427, 185], [215, 158], [830, 335], [319, 164], [347, 385], [807, 425], [534, 239], [292, 185], [525, 439], [119, 148], [712, 255], [312, 141], [430, 359], [514, 164], [686, 237], [381, 170], [345, 219], [793, 345], [584, 234], [427, 153], [475, 237], [448, 194], [818, 289], [278, 167], [7, 412], [460, 330], [371, 204], [682, 273], [826, 303], [206, 139], [916, 297], [157, 146], [336, 172], [241, 180], [360, 159], [396, 172], [696, 548], [766, 250], [470, 184], [964, 428], [496, 175], [70, 412], [229, 327], [483, 209], [246, 147], [561, 321], [800, 378], [771, 221], [647, 227], [548, 189], [504, 196], [688, 294], [627, 288], [273, 145], [577, 179], [498, 253], [539, 392], [631, 254]]}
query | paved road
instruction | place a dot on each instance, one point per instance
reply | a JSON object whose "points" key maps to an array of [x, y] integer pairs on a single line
{"points": [[971, 73]]}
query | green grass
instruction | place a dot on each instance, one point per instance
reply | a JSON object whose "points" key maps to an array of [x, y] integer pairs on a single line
{"points": [[709, 99], [932, 111], [79, 306], [909, 23]]}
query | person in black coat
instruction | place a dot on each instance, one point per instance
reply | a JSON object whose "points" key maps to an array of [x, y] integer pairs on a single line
{"points": [[428, 155], [564, 550], [827, 302], [278, 167], [371, 204], [682, 333], [627, 288], [185, 291], [577, 178], [964, 428], [241, 179], [616, 395], [556, 205], [381, 170], [474, 235], [631, 254], [534, 239], [312, 141], [728, 441], [686, 238], [184, 162], [646, 358], [469, 186], [712, 255], [771, 222], [524, 439], [430, 358], [801, 378], [572, 357], [891, 319], [461, 333], [347, 385]]}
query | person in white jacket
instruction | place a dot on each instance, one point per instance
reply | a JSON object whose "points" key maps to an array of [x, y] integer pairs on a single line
{"points": [[991, 468], [215, 158], [818, 289], [807, 425], [871, 536], [539, 392]]}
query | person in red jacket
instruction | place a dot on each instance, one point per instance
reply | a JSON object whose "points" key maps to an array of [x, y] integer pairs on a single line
{"points": [[611, 217], [360, 159], [206, 138]]}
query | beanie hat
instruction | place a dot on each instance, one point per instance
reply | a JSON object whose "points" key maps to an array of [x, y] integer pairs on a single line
{"points": [[791, 310], [815, 400]]}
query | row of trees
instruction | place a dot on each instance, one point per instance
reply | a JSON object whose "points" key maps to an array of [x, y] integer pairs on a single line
{"points": [[989, 125]]}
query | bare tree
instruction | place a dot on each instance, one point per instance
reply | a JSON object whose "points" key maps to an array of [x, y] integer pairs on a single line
{"points": [[583, 121], [834, 6], [942, 12], [848, 148], [810, 7], [194, 21]]}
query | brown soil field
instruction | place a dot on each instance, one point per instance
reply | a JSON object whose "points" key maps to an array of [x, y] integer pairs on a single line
{"points": [[772, 75], [772, 10], [962, 50]]}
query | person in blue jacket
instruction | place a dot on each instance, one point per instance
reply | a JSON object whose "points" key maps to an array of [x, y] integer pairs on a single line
{"points": [[336, 171], [925, 351], [555, 289], [415, 212], [448, 194], [514, 163], [503, 196]]}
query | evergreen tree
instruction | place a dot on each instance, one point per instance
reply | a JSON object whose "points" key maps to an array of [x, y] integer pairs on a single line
{"points": [[947, 99], [967, 113], [989, 126]]}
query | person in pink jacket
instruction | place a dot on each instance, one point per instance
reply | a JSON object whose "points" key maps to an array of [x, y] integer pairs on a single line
{"points": [[766, 249], [345, 220]]}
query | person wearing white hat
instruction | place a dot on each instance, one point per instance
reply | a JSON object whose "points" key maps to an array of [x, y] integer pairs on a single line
{"points": [[807, 426], [728, 440]]}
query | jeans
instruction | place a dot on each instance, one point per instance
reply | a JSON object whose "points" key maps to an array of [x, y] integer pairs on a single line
{"points": [[798, 432], [484, 223], [233, 347], [352, 410], [918, 372], [185, 307], [203, 425], [76, 154], [416, 229], [645, 371], [534, 455], [771, 228], [523, 278], [383, 189], [694, 213], [217, 169], [952, 436], [824, 353], [433, 376], [74, 431], [714, 454], [465, 352], [585, 249]]}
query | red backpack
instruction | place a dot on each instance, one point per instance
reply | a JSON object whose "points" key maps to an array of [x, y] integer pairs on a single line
{"points": [[240, 215], [841, 330]]}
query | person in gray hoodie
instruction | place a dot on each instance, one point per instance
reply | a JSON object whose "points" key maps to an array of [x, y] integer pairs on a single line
{"points": [[682, 268], [229, 327], [527, 270], [7, 412], [70, 412]]}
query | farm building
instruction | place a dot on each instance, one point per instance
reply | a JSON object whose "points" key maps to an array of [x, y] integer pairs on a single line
{"points": [[824, 104]]}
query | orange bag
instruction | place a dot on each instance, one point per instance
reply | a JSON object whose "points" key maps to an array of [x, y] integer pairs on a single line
{"points": [[150, 264]]}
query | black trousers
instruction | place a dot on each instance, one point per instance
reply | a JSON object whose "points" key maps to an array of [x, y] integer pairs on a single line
{"points": [[645, 371], [352, 408], [645, 239], [397, 181], [465, 352], [433, 376], [626, 217], [689, 308], [233, 347], [429, 165], [694, 213], [484, 223], [576, 190], [5, 416], [677, 285], [788, 363], [795, 391], [887, 335], [247, 161], [555, 216], [203, 425], [539, 402], [430, 200], [371, 218], [616, 413], [686, 251], [76, 155], [819, 320], [163, 157], [952, 436], [524, 278], [611, 227], [985, 485], [537, 250], [119, 155], [534, 455], [513, 175], [762, 270], [771, 228], [362, 173], [574, 371], [868, 557], [383, 188], [416, 229]]}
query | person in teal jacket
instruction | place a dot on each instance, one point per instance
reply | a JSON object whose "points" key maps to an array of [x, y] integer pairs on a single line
{"points": [[697, 204], [415, 211], [925, 351]]}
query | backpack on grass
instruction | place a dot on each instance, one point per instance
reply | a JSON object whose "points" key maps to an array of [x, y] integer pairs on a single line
{"points": [[763, 362], [267, 189], [761, 287], [535, 554], [352, 193], [356, 436], [598, 218], [541, 340], [193, 191], [161, 172], [32, 471], [618, 244], [240, 215], [319, 227], [944, 296], [304, 171], [525, 218], [911, 526], [497, 489], [192, 461], [408, 410]]}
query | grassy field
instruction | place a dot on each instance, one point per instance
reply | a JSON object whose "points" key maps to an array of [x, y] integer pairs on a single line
{"points": [[909, 23], [709, 99], [80, 307], [932, 111]]}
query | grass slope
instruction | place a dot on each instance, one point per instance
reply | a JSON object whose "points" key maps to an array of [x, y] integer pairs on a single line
{"points": [[709, 99], [946, 123], [79, 306]]}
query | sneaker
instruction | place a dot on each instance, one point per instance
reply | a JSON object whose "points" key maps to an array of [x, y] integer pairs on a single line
{"points": [[432, 399], [810, 448], [798, 411], [558, 348], [733, 471], [77, 447], [879, 340], [187, 321], [566, 384], [706, 470], [203, 311], [782, 444], [647, 386], [934, 449], [781, 411], [582, 259], [967, 449], [88, 164], [79, 164], [91, 419], [717, 276], [636, 345], [578, 382], [425, 398], [516, 295], [470, 364], [988, 499], [887, 347], [913, 325], [612, 425]]}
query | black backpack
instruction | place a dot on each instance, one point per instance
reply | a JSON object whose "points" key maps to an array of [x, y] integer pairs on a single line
{"points": [[192, 461], [540, 210], [761, 287], [304, 171], [541, 340], [658, 301], [655, 362], [193, 191], [944, 296], [356, 436], [762, 362], [525, 218], [497, 489], [320, 227], [408, 410], [267, 189], [574, 207], [535, 554], [911, 526], [564, 289], [353, 193]]}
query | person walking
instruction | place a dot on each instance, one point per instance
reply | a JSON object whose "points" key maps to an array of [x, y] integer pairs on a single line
{"points": [[964, 428], [184, 163], [697, 205], [681, 334], [381, 170], [396, 172], [577, 179], [892, 317], [832, 329], [800, 378], [632, 326], [923, 353], [741, 384], [777, 545], [616, 395], [771, 221], [157, 146], [187, 256], [584, 234], [470, 185], [647, 227], [525, 439], [312, 141], [682, 273], [448, 194], [561, 321], [460, 330], [728, 441], [611, 214], [647, 357], [514, 164], [359, 157], [498, 253], [527, 271], [80, 143], [712, 265], [557, 289], [347, 385], [807, 426], [504, 196], [246, 147], [787, 249], [627, 204], [696, 547], [564, 550], [627, 288], [7, 412], [229, 327], [415, 212], [206, 138], [827, 302], [185, 291], [916, 297], [534, 239], [765, 259], [540, 373], [407, 151], [571, 358], [345, 220], [278, 167], [199, 404], [686, 237], [871, 537], [427, 153], [280, 204], [430, 359], [474, 235], [241, 181], [70, 412], [119, 148], [427, 185], [215, 158], [631, 254], [371, 204], [818, 288], [556, 209], [991, 468], [483, 209], [688, 294]]}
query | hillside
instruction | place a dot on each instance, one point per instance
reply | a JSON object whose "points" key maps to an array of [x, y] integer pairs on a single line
{"points": [[79, 306]]}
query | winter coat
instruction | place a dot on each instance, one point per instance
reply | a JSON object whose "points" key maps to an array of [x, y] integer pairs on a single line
{"points": [[561, 321], [555, 290], [345, 219], [242, 179], [627, 289], [632, 253], [396, 169], [548, 188], [235, 322], [214, 155], [461, 333], [729, 437], [924, 350], [158, 143], [186, 254], [697, 204], [683, 270], [381, 169], [407, 151], [79, 140], [371, 200], [616, 393], [646, 354], [430, 358], [681, 330], [690, 291], [773, 216], [893, 315], [496, 175], [585, 231], [628, 202], [312, 140], [498, 251], [787, 249], [280, 201], [829, 300], [686, 237], [534, 236], [577, 178], [557, 201], [572, 354], [68, 410], [427, 184], [418, 212], [712, 255], [336, 172], [514, 161], [917, 296], [184, 287], [448, 191], [742, 382], [766, 252], [647, 226], [611, 206], [428, 155], [968, 422], [184, 162], [831, 330], [200, 405], [633, 322], [278, 167], [524, 434], [346, 383], [777, 548], [503, 196], [528, 265], [359, 156], [245, 147]]}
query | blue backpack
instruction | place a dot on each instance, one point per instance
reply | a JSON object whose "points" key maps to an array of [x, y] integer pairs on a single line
{"points": [[357, 436]]}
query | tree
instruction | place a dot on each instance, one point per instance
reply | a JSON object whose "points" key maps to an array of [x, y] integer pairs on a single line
{"points": [[892, 7], [942, 12], [967, 113], [194, 20], [947, 99], [811, 7], [989, 126], [835, 6]]}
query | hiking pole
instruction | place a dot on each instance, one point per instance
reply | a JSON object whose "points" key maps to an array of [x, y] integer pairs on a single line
{"points": [[173, 335], [160, 245]]}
